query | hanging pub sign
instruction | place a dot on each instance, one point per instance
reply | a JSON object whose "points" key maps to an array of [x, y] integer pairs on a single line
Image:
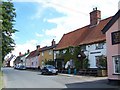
{"points": [[115, 37]]}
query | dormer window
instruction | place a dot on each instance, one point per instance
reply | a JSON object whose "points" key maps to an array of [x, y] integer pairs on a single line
{"points": [[99, 45]]}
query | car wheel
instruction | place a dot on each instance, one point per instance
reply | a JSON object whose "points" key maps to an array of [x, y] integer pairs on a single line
{"points": [[56, 73], [42, 73]]}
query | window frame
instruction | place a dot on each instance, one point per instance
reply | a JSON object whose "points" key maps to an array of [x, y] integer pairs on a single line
{"points": [[98, 46], [50, 52], [113, 58], [42, 53]]}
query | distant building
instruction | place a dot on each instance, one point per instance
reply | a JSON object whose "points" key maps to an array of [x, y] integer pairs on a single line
{"points": [[32, 60], [47, 53], [21, 59]]}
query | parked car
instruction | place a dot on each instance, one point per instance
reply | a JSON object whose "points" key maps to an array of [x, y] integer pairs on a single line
{"points": [[49, 69], [20, 67], [16, 66]]}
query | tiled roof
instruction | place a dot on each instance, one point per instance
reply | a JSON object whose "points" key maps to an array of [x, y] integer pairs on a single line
{"points": [[33, 54], [48, 47], [84, 35]]}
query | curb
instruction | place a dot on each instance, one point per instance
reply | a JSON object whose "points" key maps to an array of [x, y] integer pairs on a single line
{"points": [[69, 75]]}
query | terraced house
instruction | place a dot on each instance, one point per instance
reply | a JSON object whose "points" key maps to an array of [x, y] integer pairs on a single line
{"points": [[21, 59], [90, 39], [33, 59], [47, 53]]}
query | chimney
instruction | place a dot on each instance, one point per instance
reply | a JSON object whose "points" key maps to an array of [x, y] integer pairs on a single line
{"points": [[28, 51], [53, 42], [38, 47], [20, 54], [95, 17]]}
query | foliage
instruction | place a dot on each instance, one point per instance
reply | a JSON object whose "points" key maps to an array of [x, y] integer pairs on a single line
{"points": [[86, 63], [8, 19], [50, 63], [71, 53]]}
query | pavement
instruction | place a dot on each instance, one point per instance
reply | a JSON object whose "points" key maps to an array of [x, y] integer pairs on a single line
{"points": [[1, 80]]}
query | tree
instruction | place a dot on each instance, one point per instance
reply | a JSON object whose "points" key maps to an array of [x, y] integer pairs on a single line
{"points": [[8, 21]]}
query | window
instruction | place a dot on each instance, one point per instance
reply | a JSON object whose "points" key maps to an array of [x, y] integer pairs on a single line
{"points": [[83, 48], [32, 63], [98, 61], [71, 50], [50, 52], [99, 46], [64, 51], [42, 53], [116, 63], [101, 61]]}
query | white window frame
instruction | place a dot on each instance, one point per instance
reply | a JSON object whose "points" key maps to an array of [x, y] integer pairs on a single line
{"points": [[117, 57], [42, 53], [99, 46], [50, 52]]}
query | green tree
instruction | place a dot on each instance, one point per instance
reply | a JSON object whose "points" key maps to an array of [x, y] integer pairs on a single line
{"points": [[8, 21]]}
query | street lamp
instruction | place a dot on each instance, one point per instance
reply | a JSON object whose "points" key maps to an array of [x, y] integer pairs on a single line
{"points": [[79, 56]]}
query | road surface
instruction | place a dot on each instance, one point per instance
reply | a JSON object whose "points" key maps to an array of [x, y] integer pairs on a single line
{"points": [[30, 79]]}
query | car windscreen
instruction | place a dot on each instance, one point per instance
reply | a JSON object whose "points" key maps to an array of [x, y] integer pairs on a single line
{"points": [[50, 66]]}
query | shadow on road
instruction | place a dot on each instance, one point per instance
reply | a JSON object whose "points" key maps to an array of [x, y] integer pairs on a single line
{"points": [[97, 84]]}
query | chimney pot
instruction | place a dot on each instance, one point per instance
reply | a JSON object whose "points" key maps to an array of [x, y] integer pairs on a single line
{"points": [[28, 51], [38, 47], [53, 42], [20, 54]]}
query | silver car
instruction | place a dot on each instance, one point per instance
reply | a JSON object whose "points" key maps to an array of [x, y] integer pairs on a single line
{"points": [[49, 69]]}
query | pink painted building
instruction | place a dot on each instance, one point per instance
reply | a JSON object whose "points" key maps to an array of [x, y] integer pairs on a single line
{"points": [[112, 31]]}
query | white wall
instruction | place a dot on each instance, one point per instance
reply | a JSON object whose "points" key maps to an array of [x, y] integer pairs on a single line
{"points": [[35, 61], [92, 52]]}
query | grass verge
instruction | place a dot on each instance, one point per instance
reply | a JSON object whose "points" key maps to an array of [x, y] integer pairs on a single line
{"points": [[1, 80]]}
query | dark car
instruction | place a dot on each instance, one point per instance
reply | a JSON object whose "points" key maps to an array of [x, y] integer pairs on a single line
{"points": [[49, 69], [22, 67]]}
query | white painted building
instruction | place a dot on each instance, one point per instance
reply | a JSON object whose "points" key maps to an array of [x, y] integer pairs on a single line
{"points": [[93, 51]]}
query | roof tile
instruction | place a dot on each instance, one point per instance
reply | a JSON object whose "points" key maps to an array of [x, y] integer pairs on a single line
{"points": [[84, 35]]}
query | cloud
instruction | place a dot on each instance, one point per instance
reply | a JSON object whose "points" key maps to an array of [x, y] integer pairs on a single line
{"points": [[38, 34], [76, 14], [31, 45], [39, 12], [45, 42]]}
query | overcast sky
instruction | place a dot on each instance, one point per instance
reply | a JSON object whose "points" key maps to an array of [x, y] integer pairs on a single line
{"points": [[40, 21]]}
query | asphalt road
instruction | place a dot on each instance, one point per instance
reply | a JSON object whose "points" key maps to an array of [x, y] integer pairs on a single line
{"points": [[30, 79]]}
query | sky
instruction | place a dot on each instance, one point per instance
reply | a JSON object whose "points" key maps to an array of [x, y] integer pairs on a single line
{"points": [[40, 21]]}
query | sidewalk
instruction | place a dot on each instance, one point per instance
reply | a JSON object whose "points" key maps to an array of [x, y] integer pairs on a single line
{"points": [[1, 80]]}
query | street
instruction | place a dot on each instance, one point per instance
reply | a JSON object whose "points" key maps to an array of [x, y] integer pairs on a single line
{"points": [[32, 79]]}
